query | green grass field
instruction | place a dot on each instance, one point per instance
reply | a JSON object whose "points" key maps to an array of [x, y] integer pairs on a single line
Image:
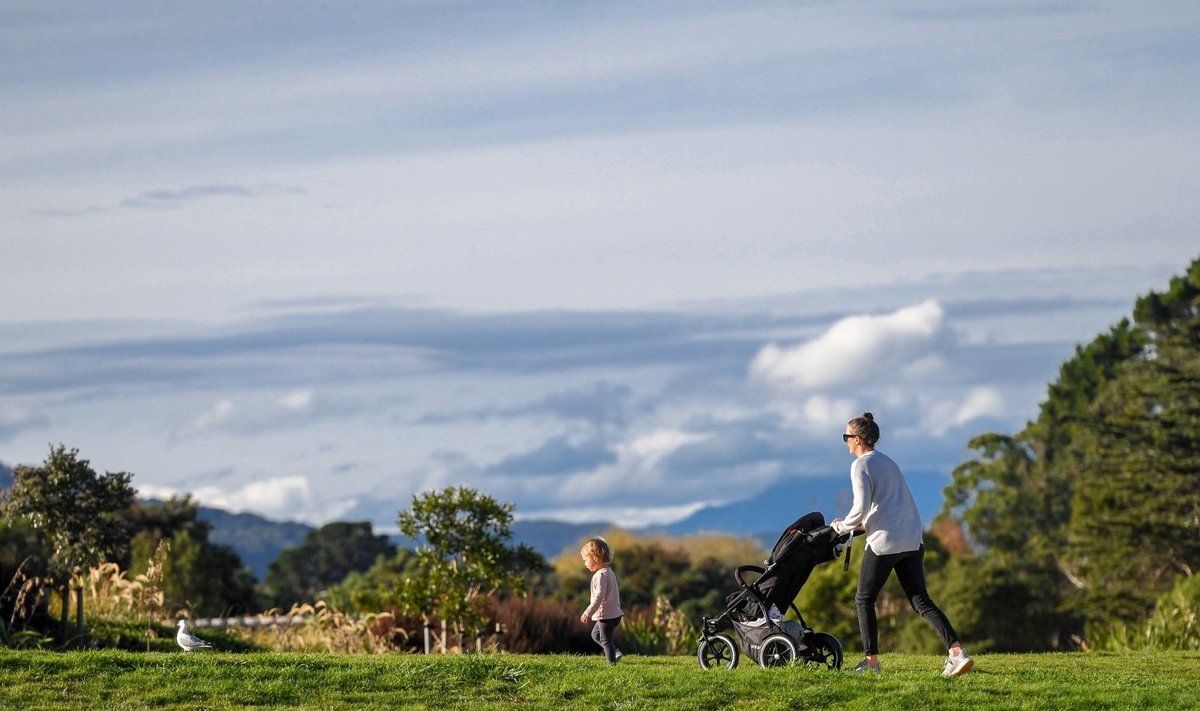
{"points": [[222, 680]]}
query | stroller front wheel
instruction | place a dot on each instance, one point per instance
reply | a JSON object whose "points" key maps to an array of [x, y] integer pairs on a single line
{"points": [[778, 650], [718, 650]]}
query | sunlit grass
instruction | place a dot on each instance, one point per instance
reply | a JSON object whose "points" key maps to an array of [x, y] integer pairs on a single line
{"points": [[222, 680]]}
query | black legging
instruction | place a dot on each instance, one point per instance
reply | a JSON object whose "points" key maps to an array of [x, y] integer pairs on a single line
{"points": [[603, 633], [910, 571]]}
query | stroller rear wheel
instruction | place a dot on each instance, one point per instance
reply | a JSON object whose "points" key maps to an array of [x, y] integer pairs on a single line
{"points": [[718, 650], [778, 650], [825, 651]]}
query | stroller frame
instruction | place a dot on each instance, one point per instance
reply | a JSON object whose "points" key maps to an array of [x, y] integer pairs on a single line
{"points": [[769, 642]]}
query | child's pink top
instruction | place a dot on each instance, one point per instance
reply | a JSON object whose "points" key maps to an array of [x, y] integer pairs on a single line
{"points": [[606, 596]]}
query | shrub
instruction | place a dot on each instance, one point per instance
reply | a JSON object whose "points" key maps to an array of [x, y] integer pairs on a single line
{"points": [[534, 625], [666, 631], [21, 639], [1174, 624]]}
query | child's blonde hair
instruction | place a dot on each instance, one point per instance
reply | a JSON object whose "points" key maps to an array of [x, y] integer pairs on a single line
{"points": [[599, 549]]}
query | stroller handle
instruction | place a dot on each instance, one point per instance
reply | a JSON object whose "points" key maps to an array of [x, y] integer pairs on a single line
{"points": [[838, 537], [737, 573]]}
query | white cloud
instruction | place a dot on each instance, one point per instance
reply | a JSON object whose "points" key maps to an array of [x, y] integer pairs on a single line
{"points": [[983, 401], [297, 401], [626, 516], [287, 498], [925, 367], [218, 415], [823, 413], [937, 416], [649, 450], [12, 416], [853, 349], [255, 413]]}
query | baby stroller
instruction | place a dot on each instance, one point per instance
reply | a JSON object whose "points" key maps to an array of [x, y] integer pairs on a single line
{"points": [[756, 610]]}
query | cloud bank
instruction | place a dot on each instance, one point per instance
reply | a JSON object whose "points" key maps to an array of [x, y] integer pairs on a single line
{"points": [[348, 407]]}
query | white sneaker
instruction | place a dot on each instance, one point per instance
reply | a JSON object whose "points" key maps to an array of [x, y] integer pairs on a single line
{"points": [[957, 664]]}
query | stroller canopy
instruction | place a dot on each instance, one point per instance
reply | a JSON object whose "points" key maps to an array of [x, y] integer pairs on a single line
{"points": [[802, 546]]}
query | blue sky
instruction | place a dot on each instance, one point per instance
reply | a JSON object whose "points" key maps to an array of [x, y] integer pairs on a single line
{"points": [[605, 259]]}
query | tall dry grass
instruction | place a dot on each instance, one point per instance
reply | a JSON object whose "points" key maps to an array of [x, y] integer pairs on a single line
{"points": [[322, 628]]}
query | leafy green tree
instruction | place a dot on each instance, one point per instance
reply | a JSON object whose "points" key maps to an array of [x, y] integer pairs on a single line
{"points": [[647, 570], [1095, 506], [464, 555], [77, 512], [203, 578], [326, 557], [1136, 523], [200, 576], [373, 590], [1016, 509]]}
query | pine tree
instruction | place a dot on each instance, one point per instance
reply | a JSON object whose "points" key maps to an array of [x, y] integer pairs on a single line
{"points": [[1136, 517], [1098, 500]]}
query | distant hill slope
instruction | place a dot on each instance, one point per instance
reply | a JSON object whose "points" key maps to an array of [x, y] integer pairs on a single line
{"points": [[766, 515], [551, 538], [6, 477], [258, 541]]}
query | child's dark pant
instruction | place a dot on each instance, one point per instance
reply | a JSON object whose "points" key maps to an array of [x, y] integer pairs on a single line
{"points": [[602, 634]]}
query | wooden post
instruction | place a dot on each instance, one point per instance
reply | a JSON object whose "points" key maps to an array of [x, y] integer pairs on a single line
{"points": [[65, 618], [79, 611], [499, 638], [428, 637], [443, 636], [479, 640]]}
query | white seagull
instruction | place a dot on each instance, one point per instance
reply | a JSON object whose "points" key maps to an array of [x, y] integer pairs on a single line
{"points": [[188, 641]]}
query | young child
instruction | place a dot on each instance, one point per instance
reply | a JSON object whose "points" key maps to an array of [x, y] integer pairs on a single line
{"points": [[605, 608]]}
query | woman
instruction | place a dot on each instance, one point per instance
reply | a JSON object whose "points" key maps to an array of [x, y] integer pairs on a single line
{"points": [[884, 508]]}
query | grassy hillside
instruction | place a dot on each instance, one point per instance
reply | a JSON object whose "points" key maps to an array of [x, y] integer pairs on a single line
{"points": [[222, 680]]}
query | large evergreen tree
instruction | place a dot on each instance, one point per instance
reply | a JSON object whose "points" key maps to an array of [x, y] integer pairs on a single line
{"points": [[1135, 522], [1097, 501]]}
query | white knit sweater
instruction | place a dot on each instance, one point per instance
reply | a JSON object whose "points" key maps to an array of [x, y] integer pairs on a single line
{"points": [[883, 505]]}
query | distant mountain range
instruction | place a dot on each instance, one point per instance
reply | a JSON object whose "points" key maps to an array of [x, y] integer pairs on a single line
{"points": [[258, 541], [765, 515]]}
